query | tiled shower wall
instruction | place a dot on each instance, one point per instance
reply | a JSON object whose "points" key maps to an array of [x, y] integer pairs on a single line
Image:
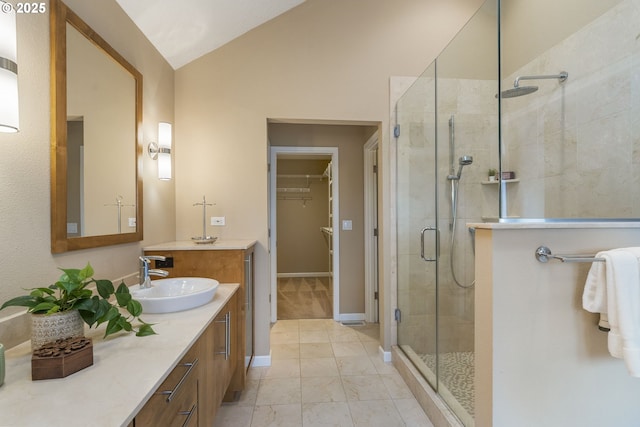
{"points": [[576, 146]]}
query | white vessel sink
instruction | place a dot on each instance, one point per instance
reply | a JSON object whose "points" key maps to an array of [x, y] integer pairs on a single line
{"points": [[175, 294]]}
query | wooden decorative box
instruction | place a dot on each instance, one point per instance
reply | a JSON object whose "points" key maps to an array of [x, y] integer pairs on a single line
{"points": [[61, 358], [508, 175]]}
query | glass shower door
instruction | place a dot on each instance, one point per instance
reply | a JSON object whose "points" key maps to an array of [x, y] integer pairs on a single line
{"points": [[416, 223], [446, 143]]}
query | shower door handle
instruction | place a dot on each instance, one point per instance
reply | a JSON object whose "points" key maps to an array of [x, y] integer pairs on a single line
{"points": [[437, 243]]}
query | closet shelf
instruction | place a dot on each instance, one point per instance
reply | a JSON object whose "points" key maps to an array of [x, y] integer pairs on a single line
{"points": [[303, 198], [293, 190], [300, 176]]}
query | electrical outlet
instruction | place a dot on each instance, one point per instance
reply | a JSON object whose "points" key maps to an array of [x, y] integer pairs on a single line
{"points": [[167, 263], [132, 222], [217, 220]]}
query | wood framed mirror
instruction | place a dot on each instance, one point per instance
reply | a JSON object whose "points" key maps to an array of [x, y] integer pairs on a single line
{"points": [[96, 118]]}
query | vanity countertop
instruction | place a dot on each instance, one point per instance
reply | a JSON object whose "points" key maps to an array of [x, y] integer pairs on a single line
{"points": [[188, 245], [126, 371]]}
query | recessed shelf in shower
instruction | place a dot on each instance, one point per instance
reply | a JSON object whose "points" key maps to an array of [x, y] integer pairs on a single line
{"points": [[508, 181]]}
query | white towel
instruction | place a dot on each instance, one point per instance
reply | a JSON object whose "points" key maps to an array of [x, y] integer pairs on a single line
{"points": [[613, 288]]}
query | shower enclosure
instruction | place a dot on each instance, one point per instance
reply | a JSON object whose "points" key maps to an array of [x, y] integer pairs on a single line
{"points": [[562, 136], [446, 126]]}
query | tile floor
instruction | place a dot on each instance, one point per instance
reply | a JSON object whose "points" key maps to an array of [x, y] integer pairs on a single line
{"points": [[324, 374]]}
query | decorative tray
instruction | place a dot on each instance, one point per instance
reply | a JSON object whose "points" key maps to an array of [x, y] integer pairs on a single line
{"points": [[204, 240]]}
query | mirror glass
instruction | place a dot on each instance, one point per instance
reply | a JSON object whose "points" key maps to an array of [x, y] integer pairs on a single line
{"points": [[101, 167], [96, 191]]}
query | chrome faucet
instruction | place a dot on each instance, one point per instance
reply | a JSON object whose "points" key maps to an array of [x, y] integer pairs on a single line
{"points": [[145, 271]]}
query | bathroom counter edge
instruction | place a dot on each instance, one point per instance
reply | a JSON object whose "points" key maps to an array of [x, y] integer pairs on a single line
{"points": [[125, 372], [222, 244]]}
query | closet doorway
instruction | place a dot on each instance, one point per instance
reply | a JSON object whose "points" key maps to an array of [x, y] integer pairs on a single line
{"points": [[304, 264], [350, 231], [304, 236]]}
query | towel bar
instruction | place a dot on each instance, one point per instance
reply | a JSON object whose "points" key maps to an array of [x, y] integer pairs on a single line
{"points": [[543, 254]]}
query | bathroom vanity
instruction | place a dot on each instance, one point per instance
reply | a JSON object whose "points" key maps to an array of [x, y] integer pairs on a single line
{"points": [[192, 356], [227, 261]]}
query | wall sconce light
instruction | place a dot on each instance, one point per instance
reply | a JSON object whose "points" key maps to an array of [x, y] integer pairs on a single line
{"points": [[162, 151], [9, 118]]}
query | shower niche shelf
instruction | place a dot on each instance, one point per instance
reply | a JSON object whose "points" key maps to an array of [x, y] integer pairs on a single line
{"points": [[508, 181]]}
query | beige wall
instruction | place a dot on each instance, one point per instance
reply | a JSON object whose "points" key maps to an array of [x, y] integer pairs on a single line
{"points": [[473, 53], [323, 60], [24, 166], [540, 358]]}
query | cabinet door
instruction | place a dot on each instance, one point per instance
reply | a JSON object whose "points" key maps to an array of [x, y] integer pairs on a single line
{"points": [[220, 348], [227, 342], [209, 396]]}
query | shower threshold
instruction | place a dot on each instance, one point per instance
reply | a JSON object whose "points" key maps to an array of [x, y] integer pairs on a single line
{"points": [[456, 385]]}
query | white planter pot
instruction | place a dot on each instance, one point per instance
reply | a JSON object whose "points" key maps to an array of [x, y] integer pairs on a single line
{"points": [[47, 328]]}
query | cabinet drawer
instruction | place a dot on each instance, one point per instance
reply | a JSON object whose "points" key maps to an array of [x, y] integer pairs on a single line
{"points": [[175, 403]]}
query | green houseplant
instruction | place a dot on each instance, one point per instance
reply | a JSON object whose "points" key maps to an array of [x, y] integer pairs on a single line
{"points": [[71, 292]]}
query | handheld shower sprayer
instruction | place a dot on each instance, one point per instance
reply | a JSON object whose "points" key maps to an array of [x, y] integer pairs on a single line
{"points": [[462, 161], [455, 182]]}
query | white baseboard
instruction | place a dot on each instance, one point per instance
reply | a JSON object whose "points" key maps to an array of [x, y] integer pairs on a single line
{"points": [[386, 355], [351, 317], [261, 361], [311, 274]]}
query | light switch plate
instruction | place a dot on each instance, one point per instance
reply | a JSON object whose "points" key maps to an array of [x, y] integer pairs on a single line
{"points": [[218, 220], [347, 224]]}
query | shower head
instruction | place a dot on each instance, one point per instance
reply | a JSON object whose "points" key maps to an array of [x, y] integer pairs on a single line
{"points": [[463, 161], [526, 90], [561, 76], [518, 91]]}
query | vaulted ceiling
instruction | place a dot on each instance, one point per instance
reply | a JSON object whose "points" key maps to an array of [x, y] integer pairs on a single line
{"points": [[183, 30]]}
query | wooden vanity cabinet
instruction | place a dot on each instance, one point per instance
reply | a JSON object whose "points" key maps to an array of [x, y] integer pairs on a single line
{"points": [[176, 401], [226, 266], [201, 378]]}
